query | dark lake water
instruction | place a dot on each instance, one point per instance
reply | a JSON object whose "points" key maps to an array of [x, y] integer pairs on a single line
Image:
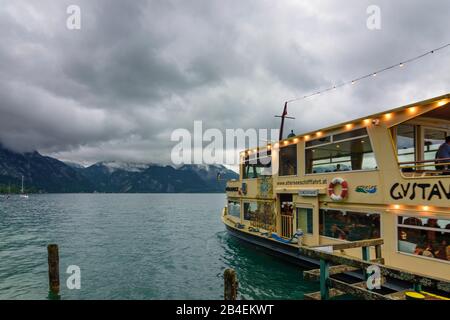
{"points": [[134, 246]]}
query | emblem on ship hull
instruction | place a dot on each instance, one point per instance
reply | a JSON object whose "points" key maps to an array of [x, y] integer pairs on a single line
{"points": [[366, 189]]}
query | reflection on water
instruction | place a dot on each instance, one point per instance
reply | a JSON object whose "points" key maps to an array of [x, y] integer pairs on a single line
{"points": [[134, 246]]}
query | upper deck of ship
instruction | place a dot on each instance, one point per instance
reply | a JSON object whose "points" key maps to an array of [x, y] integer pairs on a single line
{"points": [[386, 158]]}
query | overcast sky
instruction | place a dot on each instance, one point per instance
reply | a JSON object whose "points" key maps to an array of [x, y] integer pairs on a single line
{"points": [[137, 70]]}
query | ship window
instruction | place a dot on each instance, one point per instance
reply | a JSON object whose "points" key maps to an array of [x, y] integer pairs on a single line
{"points": [[349, 225], [355, 153], [317, 142], [350, 134], [305, 220], [250, 209], [433, 139], [288, 160], [254, 167], [424, 236], [234, 208], [417, 142], [406, 146], [261, 214]]}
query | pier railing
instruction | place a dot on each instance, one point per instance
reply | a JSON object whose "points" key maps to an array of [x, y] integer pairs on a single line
{"points": [[333, 264]]}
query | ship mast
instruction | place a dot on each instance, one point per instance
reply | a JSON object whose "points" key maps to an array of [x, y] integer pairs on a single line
{"points": [[283, 116]]}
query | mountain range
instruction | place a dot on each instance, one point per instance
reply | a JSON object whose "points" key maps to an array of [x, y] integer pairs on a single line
{"points": [[49, 175]]}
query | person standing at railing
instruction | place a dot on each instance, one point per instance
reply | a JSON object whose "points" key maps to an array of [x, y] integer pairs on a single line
{"points": [[444, 153]]}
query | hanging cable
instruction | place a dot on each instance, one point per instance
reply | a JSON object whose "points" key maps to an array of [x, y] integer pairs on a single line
{"points": [[372, 74]]}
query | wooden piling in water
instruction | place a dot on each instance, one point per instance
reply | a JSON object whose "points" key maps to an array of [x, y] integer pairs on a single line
{"points": [[366, 257], [230, 284], [53, 269], [324, 278]]}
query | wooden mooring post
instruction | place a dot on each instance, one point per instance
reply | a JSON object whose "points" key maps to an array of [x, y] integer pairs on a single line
{"points": [[230, 284], [366, 257], [53, 271], [324, 278]]}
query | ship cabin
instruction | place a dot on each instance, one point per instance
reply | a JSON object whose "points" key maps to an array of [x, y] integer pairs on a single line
{"points": [[374, 177]]}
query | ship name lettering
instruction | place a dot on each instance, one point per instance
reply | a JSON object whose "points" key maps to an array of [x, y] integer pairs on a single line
{"points": [[424, 191]]}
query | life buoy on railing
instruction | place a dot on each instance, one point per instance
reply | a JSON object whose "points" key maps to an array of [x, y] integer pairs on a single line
{"points": [[344, 191]]}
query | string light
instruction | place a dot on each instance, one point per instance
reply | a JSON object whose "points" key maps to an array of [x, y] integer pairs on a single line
{"points": [[412, 110], [372, 74], [442, 102]]}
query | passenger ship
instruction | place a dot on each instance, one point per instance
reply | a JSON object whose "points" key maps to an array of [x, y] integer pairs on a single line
{"points": [[374, 177]]}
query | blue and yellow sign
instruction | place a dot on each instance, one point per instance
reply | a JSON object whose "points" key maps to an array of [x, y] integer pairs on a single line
{"points": [[366, 189]]}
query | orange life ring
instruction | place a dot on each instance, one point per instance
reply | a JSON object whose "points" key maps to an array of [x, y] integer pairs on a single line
{"points": [[344, 191]]}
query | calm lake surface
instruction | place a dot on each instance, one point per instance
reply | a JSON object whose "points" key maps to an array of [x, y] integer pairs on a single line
{"points": [[134, 246]]}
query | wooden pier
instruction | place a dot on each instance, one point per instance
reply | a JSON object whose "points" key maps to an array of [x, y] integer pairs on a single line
{"points": [[333, 264]]}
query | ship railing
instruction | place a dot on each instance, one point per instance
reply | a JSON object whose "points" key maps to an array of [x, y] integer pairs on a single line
{"points": [[426, 168], [287, 226]]}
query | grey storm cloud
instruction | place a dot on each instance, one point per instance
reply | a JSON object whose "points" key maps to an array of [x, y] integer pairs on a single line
{"points": [[137, 70]]}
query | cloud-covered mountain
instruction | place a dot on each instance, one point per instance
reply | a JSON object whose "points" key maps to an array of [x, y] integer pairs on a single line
{"points": [[46, 174], [40, 173], [138, 70]]}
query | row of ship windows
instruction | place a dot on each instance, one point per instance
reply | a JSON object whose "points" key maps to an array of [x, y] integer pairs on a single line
{"points": [[342, 152], [422, 236], [348, 151]]}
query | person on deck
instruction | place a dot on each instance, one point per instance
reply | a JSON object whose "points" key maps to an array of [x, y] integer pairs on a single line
{"points": [[292, 134], [443, 153]]}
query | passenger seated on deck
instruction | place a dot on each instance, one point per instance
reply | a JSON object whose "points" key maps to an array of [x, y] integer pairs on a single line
{"points": [[429, 251], [431, 223], [336, 232], [441, 251], [443, 153], [412, 221]]}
